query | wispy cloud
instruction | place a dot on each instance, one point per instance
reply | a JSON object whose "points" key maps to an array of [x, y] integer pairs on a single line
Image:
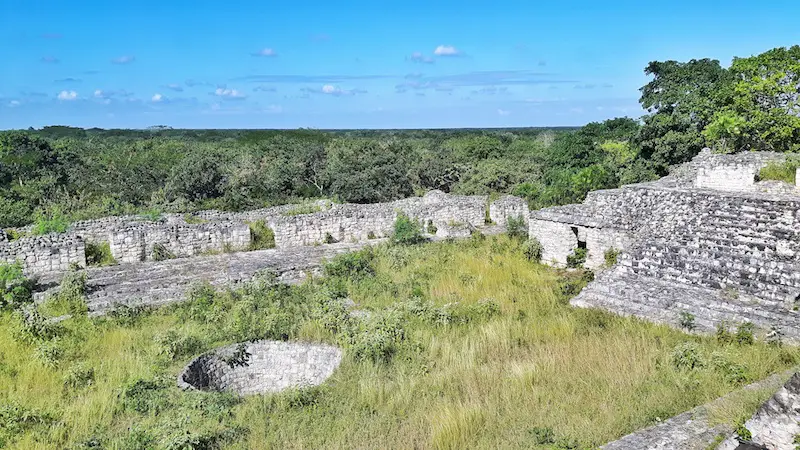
{"points": [[192, 83], [50, 60], [412, 76], [263, 88], [446, 50], [491, 90], [126, 59], [487, 82], [419, 57], [157, 98], [68, 80], [229, 94], [329, 89], [268, 52], [67, 95], [308, 79], [175, 87], [14, 103]]}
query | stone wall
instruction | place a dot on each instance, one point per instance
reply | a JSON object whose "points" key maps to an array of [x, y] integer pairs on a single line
{"points": [[136, 243], [43, 254], [352, 222], [267, 366], [508, 206]]}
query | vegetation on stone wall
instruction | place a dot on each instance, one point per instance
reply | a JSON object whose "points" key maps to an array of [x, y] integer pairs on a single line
{"points": [[449, 332]]}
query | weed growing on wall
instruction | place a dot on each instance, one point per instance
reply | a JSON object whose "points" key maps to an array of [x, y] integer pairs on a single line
{"points": [[785, 171], [99, 254], [161, 252], [611, 256], [261, 236], [516, 228], [52, 221], [406, 231], [577, 258]]}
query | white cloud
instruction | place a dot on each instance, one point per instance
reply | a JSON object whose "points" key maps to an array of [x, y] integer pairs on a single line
{"points": [[157, 98], [99, 94], [67, 95], [503, 112], [446, 50], [329, 89], [266, 52], [124, 59], [229, 93], [175, 87], [418, 57], [14, 103]]}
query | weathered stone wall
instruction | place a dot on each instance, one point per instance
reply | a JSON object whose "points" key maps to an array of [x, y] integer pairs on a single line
{"points": [[269, 366], [352, 222], [43, 254], [136, 243], [508, 206], [777, 422]]}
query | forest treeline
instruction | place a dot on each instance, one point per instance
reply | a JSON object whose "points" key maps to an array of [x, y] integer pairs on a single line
{"points": [[78, 173]]}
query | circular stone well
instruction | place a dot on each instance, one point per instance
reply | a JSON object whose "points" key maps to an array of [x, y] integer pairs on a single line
{"points": [[265, 367]]}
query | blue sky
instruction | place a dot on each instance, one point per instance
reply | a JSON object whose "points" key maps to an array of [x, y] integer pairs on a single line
{"points": [[357, 64]]}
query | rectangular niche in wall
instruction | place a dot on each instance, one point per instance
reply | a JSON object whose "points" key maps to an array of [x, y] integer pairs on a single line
{"points": [[581, 243]]}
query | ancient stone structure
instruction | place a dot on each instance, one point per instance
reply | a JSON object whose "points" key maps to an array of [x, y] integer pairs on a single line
{"points": [[508, 206], [261, 367], [723, 256], [777, 422], [45, 254], [132, 239], [691, 430]]}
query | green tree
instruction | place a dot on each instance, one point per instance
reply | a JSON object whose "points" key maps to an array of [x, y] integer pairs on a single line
{"points": [[765, 112], [368, 171], [681, 100]]}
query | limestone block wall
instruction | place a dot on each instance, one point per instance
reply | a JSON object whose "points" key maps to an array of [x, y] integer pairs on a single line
{"points": [[728, 178], [352, 222], [136, 243], [44, 254], [508, 206], [558, 240], [267, 366]]}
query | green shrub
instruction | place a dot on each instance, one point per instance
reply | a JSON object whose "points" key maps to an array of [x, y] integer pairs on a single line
{"points": [[152, 215], [406, 231], [15, 287], [16, 419], [379, 340], [743, 433], [532, 249], [723, 335], [79, 376], [744, 334], [686, 320], [53, 221], [542, 435], [261, 236], [174, 346], [30, 326], [516, 227], [611, 256], [239, 357], [687, 356], [782, 171], [577, 258], [732, 372], [99, 254], [145, 396], [161, 252], [71, 296], [354, 265], [49, 352], [128, 316]]}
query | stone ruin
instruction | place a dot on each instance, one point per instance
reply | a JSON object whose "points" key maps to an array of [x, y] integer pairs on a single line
{"points": [[261, 367], [132, 239], [701, 243]]}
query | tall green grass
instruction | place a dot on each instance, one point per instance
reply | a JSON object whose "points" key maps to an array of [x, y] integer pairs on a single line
{"points": [[480, 349]]}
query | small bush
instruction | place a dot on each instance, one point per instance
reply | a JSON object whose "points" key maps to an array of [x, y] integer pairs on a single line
{"points": [[15, 287], [406, 231], [79, 376], [49, 352], [431, 227], [516, 228], [152, 215], [30, 326], [611, 256], [175, 346], [744, 334], [723, 335], [532, 249], [239, 358], [128, 316], [732, 372], [686, 320], [261, 236], [380, 340], [355, 265], [577, 258], [145, 396], [99, 254], [687, 356], [542, 435], [161, 252], [70, 298], [53, 221], [16, 419], [743, 433]]}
